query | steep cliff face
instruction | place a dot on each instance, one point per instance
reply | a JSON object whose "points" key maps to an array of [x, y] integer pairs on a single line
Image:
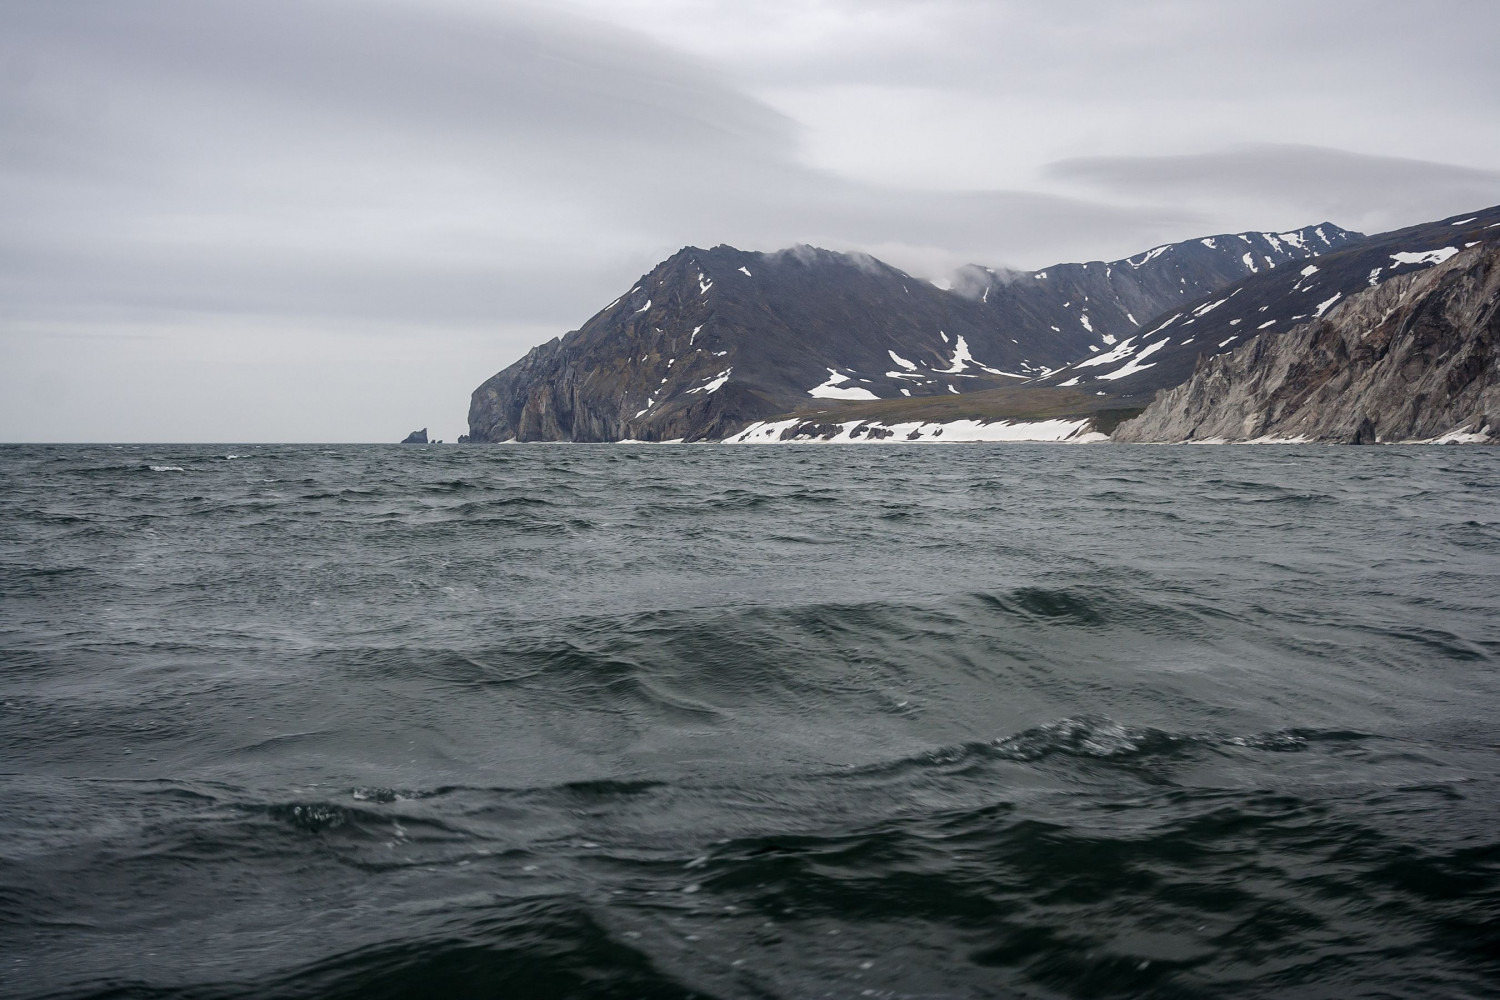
{"points": [[711, 340], [1416, 358]]}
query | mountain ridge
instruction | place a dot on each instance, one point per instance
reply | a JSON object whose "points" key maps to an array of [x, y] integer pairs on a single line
{"points": [[711, 340], [1165, 353]]}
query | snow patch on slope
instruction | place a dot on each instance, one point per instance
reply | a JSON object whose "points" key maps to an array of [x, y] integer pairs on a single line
{"points": [[831, 389], [1124, 350], [1148, 256], [1134, 364], [717, 382], [1424, 257], [1075, 431]]}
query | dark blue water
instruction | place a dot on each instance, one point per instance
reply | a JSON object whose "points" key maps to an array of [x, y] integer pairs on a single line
{"points": [[611, 721]]}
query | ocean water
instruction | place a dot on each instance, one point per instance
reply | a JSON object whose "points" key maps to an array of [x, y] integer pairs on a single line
{"points": [[615, 721]]}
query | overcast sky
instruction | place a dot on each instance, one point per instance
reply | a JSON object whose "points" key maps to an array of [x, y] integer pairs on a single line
{"points": [[329, 220]]}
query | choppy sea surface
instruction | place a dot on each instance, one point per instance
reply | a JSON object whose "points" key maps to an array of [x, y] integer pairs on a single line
{"points": [[614, 721]]}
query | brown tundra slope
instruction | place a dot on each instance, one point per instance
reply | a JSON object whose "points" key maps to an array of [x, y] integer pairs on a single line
{"points": [[1414, 358]]}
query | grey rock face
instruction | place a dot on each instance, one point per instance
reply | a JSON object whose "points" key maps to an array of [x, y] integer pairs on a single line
{"points": [[416, 437], [1414, 358]]}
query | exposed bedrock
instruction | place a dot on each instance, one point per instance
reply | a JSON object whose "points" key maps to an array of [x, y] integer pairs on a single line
{"points": [[1412, 359]]}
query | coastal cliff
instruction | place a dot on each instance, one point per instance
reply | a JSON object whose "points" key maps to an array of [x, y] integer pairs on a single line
{"points": [[1413, 358]]}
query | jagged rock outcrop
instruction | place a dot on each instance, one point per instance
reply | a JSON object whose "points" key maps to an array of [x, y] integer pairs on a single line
{"points": [[711, 340], [1415, 358], [416, 437]]}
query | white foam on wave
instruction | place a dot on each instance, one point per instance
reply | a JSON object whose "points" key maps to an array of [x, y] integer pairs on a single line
{"points": [[1080, 737], [167, 468]]}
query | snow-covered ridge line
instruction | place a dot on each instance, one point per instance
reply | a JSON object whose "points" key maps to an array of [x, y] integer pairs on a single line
{"points": [[1072, 431]]}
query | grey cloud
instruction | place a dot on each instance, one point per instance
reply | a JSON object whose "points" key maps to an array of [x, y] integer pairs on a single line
{"points": [[352, 162], [1101, 49], [246, 153], [1361, 191], [513, 72]]}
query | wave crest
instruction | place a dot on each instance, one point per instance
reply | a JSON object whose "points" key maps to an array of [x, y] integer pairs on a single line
{"points": [[1085, 736]]}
